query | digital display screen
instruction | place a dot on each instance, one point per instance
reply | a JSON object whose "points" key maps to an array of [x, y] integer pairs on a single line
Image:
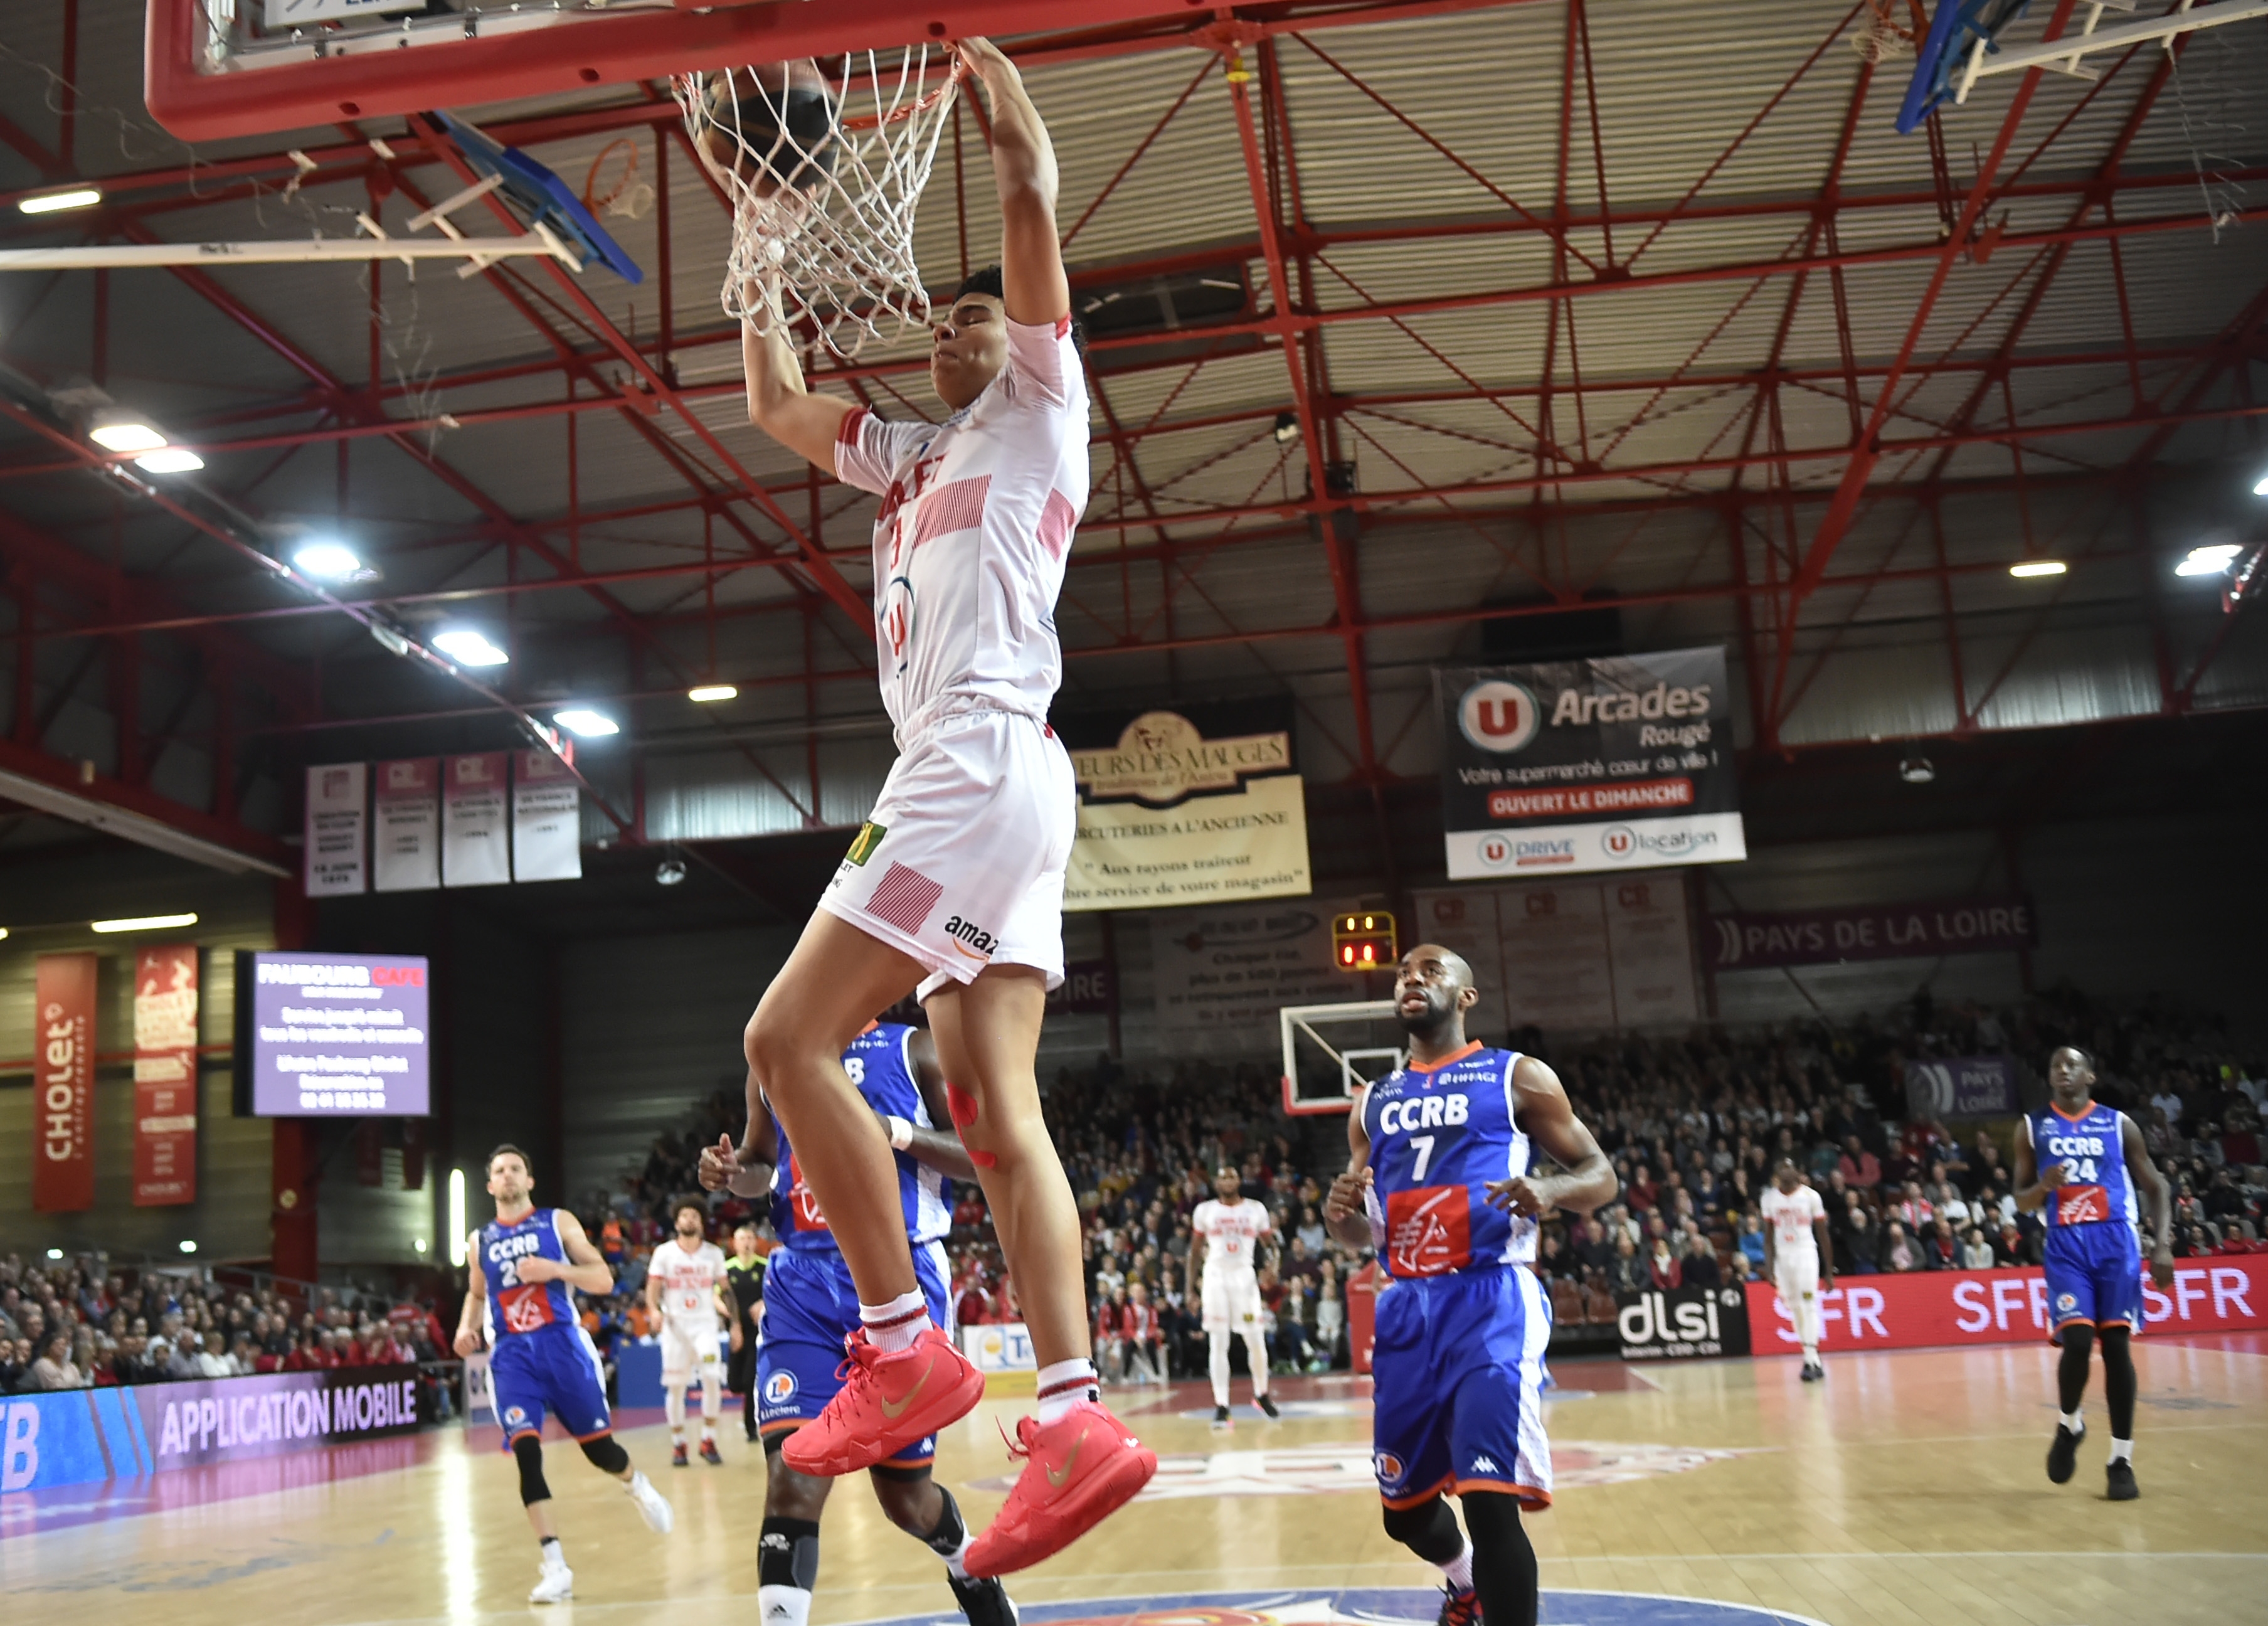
{"points": [[337, 1034]]}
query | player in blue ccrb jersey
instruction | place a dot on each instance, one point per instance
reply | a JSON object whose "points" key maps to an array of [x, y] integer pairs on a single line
{"points": [[517, 1303], [811, 1311], [2081, 1161], [1439, 1180]]}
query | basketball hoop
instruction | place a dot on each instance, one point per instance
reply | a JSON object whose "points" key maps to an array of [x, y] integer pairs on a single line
{"points": [[824, 167], [1881, 38], [612, 183]]}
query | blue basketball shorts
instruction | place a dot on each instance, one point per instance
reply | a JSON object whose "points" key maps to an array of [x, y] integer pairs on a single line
{"points": [[811, 1305], [555, 1371], [1457, 1373], [2094, 1275]]}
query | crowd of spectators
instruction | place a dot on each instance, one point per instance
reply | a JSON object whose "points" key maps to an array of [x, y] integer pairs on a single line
{"points": [[84, 1322]]}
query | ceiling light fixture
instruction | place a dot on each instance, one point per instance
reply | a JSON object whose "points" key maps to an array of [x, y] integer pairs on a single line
{"points": [[49, 202], [119, 433], [327, 561], [2260, 486], [469, 646], [1917, 771], [2210, 560], [708, 692], [170, 460], [142, 923], [2026, 568], [669, 871], [590, 725], [1287, 428]]}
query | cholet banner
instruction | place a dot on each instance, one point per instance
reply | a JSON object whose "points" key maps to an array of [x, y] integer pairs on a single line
{"points": [[1194, 806]]}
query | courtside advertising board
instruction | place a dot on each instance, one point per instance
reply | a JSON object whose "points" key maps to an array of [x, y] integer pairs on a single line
{"points": [[1619, 762]]}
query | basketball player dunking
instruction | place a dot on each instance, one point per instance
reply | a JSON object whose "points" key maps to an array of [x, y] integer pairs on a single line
{"points": [[2081, 1161], [1798, 1256], [954, 888], [1437, 1179], [812, 1307], [517, 1302], [1224, 1255]]}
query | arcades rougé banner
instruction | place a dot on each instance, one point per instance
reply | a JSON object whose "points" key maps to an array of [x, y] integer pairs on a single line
{"points": [[1617, 762]]}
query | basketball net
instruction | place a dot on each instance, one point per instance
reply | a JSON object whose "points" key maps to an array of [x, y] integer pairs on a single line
{"points": [[1879, 38], [836, 248]]}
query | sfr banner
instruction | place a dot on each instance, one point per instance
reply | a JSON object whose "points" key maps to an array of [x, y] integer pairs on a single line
{"points": [[476, 844], [547, 818], [405, 852], [1624, 761], [337, 831], [165, 1075], [62, 1117], [2214, 1294]]}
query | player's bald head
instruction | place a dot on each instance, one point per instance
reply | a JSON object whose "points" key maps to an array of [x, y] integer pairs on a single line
{"points": [[1452, 964]]}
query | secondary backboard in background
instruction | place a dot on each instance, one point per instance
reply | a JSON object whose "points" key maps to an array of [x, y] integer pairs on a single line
{"points": [[215, 68], [1332, 1051]]}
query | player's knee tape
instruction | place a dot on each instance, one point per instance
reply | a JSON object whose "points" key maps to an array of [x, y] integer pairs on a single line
{"points": [[528, 1451], [788, 1554], [606, 1453], [1429, 1530], [1504, 1563]]}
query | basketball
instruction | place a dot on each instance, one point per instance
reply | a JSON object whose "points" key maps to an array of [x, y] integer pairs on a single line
{"points": [[770, 125]]}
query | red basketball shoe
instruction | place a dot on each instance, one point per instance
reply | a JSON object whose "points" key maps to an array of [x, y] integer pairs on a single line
{"points": [[1077, 1471], [886, 1403]]}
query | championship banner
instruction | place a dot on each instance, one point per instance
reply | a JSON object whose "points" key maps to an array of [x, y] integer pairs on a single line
{"points": [[1191, 806], [1682, 1323], [62, 1114], [337, 827], [1624, 762], [2218, 1294], [547, 818], [165, 1075], [476, 844], [405, 849], [1881, 931]]}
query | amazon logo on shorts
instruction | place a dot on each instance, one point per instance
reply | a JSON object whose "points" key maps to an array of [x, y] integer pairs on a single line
{"points": [[969, 932]]}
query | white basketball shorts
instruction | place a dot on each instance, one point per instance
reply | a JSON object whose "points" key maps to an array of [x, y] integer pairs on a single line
{"points": [[1230, 1302], [961, 865], [686, 1346]]}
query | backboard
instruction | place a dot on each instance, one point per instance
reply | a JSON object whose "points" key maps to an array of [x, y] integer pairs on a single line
{"points": [[538, 198], [1331, 1052], [215, 68]]}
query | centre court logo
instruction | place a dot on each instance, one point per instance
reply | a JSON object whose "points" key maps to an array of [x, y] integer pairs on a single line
{"points": [[1377, 1607]]}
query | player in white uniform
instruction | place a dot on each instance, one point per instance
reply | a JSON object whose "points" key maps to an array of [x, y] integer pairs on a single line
{"points": [[1799, 1255], [954, 888], [1224, 1257], [682, 1280]]}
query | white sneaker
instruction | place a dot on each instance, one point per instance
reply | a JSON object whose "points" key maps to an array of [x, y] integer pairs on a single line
{"points": [[650, 1502], [557, 1584]]}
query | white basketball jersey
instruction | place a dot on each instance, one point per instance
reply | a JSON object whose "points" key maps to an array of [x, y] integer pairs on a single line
{"points": [[1789, 1214], [975, 525], [689, 1281], [1231, 1234]]}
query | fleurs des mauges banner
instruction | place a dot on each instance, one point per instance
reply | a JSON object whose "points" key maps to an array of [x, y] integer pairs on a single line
{"points": [[1190, 807], [165, 1075]]}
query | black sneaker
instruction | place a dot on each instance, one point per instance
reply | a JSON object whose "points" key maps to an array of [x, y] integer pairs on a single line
{"points": [[1219, 1415], [1814, 1373], [2122, 1487], [1459, 1609], [2062, 1456], [1267, 1403], [711, 1454], [985, 1602]]}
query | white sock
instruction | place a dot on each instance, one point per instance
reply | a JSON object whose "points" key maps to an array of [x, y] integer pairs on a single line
{"points": [[1811, 1355], [553, 1558], [1217, 1364], [2122, 1451], [1460, 1571], [783, 1606], [2071, 1420], [1064, 1384], [894, 1326], [673, 1407], [1255, 1356]]}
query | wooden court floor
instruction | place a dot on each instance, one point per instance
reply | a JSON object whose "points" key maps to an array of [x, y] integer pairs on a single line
{"points": [[1907, 1488]]}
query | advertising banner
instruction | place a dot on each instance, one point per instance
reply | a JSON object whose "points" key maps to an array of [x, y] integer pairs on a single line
{"points": [[1682, 1323], [547, 818], [1877, 931], [82, 1436], [1221, 975], [475, 842], [337, 828], [1570, 955], [1935, 1307], [63, 1080], [1963, 1086], [165, 1075], [1620, 763], [406, 842], [999, 1346], [337, 1034], [1179, 808], [1086, 990]]}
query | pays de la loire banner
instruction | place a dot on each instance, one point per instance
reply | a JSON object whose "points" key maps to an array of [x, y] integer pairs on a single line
{"points": [[1193, 807], [1619, 762], [1744, 942]]}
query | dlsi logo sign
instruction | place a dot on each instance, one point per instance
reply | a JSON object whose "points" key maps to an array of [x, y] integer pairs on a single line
{"points": [[1682, 1323]]}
